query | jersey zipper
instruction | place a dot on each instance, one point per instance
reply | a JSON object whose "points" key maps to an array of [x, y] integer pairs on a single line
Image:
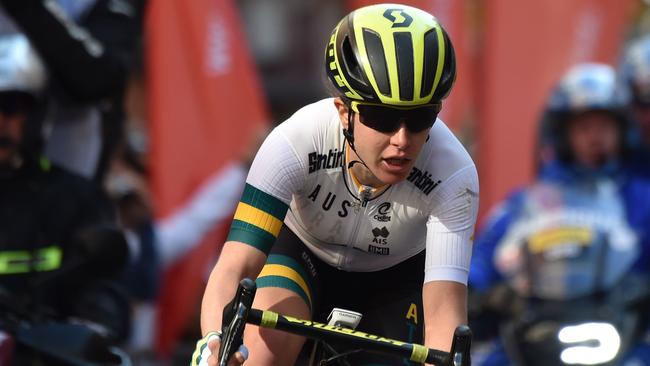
{"points": [[365, 193]]}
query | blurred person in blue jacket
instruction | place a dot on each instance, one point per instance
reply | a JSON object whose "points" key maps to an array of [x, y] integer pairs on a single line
{"points": [[565, 246], [635, 72]]}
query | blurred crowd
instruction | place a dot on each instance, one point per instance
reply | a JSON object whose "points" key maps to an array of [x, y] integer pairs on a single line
{"points": [[565, 251]]}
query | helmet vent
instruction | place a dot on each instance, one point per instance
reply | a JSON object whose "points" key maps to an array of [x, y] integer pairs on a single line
{"points": [[377, 59], [430, 61], [404, 55], [350, 61]]}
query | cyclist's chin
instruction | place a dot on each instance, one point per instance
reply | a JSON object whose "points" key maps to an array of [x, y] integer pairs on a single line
{"points": [[391, 174]]}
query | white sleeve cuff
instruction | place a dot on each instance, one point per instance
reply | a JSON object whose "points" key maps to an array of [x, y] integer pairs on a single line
{"points": [[446, 273]]}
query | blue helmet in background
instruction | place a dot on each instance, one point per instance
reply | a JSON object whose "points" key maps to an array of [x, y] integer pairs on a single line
{"points": [[583, 88]]}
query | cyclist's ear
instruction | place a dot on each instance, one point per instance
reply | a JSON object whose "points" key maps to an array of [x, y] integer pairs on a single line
{"points": [[343, 111]]}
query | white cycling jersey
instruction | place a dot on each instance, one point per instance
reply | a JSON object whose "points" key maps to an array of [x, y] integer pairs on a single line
{"points": [[302, 164]]}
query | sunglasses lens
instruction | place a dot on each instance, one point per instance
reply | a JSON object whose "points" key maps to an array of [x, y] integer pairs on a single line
{"points": [[386, 119]]}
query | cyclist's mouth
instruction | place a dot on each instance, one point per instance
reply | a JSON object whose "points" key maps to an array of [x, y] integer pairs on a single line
{"points": [[396, 164]]}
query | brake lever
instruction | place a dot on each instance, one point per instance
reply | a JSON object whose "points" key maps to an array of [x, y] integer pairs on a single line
{"points": [[235, 315], [460, 347]]}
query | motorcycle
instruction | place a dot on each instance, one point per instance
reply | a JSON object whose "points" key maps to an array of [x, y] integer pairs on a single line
{"points": [[97, 316], [570, 296]]}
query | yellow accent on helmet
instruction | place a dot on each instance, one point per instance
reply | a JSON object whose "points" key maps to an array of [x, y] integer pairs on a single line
{"points": [[390, 54]]}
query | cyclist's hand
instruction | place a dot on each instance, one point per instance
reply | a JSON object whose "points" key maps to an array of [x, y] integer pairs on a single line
{"points": [[207, 352]]}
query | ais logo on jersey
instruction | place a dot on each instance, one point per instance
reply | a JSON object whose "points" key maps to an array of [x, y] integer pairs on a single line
{"points": [[380, 235]]}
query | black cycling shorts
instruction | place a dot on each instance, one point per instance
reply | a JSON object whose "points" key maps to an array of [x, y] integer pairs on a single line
{"points": [[390, 299]]}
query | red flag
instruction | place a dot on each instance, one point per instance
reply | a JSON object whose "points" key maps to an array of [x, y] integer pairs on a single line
{"points": [[528, 45], [205, 103]]}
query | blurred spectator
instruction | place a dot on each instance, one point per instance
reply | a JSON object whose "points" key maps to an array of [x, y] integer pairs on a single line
{"points": [[156, 245], [636, 76], [87, 46], [562, 245], [127, 186], [51, 220]]}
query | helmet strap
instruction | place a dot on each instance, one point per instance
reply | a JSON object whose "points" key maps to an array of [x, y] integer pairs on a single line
{"points": [[349, 136], [349, 132]]}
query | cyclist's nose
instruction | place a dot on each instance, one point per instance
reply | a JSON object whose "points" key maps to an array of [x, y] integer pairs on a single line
{"points": [[401, 138]]}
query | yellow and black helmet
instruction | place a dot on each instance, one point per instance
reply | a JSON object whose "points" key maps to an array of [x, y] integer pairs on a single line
{"points": [[390, 54]]}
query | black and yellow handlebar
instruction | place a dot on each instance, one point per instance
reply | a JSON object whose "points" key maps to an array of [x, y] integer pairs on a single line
{"points": [[241, 312]]}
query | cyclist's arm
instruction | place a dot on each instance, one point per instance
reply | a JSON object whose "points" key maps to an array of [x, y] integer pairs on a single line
{"points": [[275, 175], [450, 231], [236, 261], [445, 307]]}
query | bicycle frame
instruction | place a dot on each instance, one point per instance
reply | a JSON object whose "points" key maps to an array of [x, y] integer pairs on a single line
{"points": [[239, 312]]}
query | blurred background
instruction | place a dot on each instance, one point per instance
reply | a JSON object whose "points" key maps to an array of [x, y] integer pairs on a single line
{"points": [[264, 59], [206, 80]]}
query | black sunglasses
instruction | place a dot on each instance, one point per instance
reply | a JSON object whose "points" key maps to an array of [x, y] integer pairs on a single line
{"points": [[388, 119]]}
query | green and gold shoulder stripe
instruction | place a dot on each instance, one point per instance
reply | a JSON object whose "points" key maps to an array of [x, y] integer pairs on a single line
{"points": [[258, 219]]}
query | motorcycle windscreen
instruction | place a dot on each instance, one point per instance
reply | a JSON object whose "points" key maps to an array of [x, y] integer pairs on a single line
{"points": [[578, 247]]}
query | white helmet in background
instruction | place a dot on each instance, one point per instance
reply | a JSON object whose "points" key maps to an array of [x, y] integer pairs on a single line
{"points": [[588, 86], [584, 87], [21, 68], [23, 79]]}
